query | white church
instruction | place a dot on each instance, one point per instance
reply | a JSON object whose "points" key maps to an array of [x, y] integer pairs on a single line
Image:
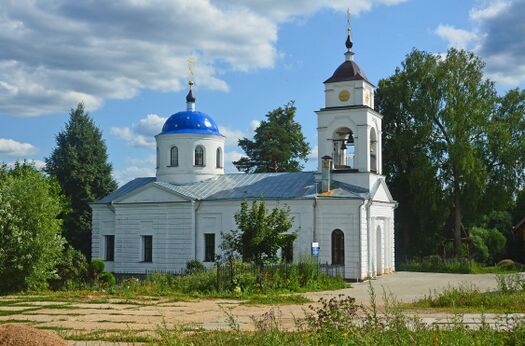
{"points": [[160, 223]]}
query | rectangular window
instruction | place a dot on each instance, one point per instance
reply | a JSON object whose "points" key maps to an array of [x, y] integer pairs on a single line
{"points": [[109, 240], [209, 247], [147, 248]]}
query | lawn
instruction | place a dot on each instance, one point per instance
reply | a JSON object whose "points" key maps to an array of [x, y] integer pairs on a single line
{"points": [[509, 297]]}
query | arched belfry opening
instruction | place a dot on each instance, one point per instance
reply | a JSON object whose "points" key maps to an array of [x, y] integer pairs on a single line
{"points": [[373, 150], [338, 247], [344, 148]]}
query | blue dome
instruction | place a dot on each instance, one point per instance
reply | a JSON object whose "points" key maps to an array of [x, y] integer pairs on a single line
{"points": [[191, 122]]}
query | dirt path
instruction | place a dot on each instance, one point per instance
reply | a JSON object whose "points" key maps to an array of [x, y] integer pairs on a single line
{"points": [[146, 316]]}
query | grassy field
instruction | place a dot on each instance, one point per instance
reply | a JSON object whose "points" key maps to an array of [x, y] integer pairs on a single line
{"points": [[101, 316], [509, 297]]}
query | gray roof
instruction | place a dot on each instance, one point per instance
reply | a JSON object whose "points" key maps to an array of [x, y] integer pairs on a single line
{"points": [[286, 186]]}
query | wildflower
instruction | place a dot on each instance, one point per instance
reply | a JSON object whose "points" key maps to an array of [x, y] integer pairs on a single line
{"points": [[344, 335]]}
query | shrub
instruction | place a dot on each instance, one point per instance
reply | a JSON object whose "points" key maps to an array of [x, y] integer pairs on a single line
{"points": [[488, 244], [436, 264], [194, 266], [106, 279], [30, 228], [71, 271], [97, 267]]}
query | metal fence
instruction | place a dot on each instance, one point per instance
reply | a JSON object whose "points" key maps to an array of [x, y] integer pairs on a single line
{"points": [[229, 273]]}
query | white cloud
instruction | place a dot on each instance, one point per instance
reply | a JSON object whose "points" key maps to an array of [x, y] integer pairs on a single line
{"points": [[491, 9], [496, 36], [458, 38], [229, 157], [232, 135], [254, 124], [279, 10], [132, 172], [56, 54], [10, 147], [141, 135], [151, 125], [134, 139]]}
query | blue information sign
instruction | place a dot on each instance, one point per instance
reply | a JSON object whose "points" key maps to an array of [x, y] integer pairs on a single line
{"points": [[315, 249]]}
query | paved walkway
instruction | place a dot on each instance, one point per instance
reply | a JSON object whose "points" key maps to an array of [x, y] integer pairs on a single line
{"points": [[410, 286]]}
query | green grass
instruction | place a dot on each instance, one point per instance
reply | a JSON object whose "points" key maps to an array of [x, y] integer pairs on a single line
{"points": [[509, 297], [276, 299], [15, 320], [109, 335], [471, 299], [436, 264]]}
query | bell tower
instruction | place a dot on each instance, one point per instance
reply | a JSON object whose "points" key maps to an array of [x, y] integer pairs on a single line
{"points": [[348, 128]]}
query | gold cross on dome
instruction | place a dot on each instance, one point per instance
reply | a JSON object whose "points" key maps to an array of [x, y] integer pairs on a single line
{"points": [[190, 67]]}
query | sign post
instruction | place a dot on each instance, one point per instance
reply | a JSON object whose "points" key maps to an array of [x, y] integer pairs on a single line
{"points": [[315, 253], [315, 249]]}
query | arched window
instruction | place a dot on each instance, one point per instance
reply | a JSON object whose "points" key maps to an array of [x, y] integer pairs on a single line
{"points": [[174, 156], [158, 157], [199, 156], [338, 247], [373, 150], [219, 157], [344, 149]]}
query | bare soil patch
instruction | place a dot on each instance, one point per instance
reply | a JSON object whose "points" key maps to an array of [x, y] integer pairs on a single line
{"points": [[22, 335]]}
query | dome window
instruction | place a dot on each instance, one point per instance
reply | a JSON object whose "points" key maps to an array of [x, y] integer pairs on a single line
{"points": [[219, 158], [174, 157], [199, 156]]}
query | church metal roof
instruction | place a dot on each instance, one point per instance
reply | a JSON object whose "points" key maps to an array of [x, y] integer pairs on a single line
{"points": [[238, 186]]}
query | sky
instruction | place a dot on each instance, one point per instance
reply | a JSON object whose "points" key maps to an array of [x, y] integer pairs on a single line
{"points": [[126, 60]]}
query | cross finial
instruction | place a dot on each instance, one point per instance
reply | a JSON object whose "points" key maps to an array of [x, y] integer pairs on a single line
{"points": [[190, 68], [348, 20], [348, 42]]}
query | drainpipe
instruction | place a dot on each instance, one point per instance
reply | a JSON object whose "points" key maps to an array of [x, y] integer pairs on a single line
{"points": [[196, 209], [314, 236], [359, 238]]}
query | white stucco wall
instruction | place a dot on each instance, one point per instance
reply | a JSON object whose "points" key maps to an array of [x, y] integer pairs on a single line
{"points": [[343, 215], [170, 224], [178, 227], [186, 172]]}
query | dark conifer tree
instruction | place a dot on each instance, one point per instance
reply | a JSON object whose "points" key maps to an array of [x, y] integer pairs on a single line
{"points": [[278, 144], [79, 163]]}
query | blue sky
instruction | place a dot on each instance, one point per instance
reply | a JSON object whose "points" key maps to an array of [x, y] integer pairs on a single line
{"points": [[126, 60]]}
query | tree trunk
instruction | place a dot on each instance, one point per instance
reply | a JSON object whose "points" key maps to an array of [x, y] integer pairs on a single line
{"points": [[457, 220]]}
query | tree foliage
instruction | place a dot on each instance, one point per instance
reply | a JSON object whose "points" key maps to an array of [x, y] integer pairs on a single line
{"points": [[278, 144], [30, 227], [488, 244], [453, 150], [79, 163], [260, 234]]}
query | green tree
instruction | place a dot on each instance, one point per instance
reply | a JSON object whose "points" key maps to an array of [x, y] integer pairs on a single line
{"points": [[453, 103], [30, 227], [278, 144], [504, 153], [260, 234], [79, 163]]}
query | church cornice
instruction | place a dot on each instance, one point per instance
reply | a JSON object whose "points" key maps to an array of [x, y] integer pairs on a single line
{"points": [[339, 108]]}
